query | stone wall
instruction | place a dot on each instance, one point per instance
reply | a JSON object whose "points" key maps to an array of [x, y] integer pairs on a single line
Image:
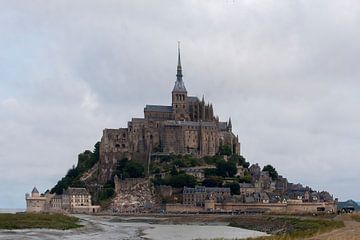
{"points": [[181, 208], [292, 207]]}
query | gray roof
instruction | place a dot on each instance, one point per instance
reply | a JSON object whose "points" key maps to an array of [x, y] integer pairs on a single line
{"points": [[189, 123], [193, 99], [138, 120], [158, 108], [222, 126], [76, 191], [35, 190], [179, 86]]}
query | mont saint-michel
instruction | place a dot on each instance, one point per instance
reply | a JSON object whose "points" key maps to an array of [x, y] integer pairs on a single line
{"points": [[178, 158]]}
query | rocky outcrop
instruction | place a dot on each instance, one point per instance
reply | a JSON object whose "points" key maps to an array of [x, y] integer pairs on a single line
{"points": [[133, 195]]}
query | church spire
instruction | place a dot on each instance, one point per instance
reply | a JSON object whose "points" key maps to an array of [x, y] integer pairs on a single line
{"points": [[179, 68], [179, 83]]}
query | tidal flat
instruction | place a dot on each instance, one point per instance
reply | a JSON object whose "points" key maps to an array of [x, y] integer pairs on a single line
{"points": [[110, 227]]}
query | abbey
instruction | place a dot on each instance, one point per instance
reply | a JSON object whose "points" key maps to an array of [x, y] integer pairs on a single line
{"points": [[187, 126]]}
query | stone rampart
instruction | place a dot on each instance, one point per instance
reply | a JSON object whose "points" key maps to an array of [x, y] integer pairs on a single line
{"points": [[182, 208]]}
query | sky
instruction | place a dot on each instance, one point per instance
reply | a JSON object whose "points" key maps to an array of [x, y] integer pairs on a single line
{"points": [[286, 72]]}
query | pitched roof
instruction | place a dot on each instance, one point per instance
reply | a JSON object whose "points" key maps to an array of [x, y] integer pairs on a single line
{"points": [[222, 126], [158, 108], [189, 123], [179, 86], [35, 190], [193, 99]]}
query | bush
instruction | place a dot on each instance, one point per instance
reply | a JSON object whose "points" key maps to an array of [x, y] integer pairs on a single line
{"points": [[234, 188], [225, 150], [239, 159], [129, 169], [272, 171], [179, 181], [213, 181], [86, 161], [226, 169]]}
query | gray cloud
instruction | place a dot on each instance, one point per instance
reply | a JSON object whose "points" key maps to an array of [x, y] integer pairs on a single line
{"points": [[286, 72]]}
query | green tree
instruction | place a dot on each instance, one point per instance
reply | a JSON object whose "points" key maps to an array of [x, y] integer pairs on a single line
{"points": [[272, 171], [239, 159], [213, 181], [247, 178], [174, 171], [234, 187], [225, 150], [181, 180], [95, 157], [226, 169], [129, 169], [211, 160], [210, 172], [135, 170]]}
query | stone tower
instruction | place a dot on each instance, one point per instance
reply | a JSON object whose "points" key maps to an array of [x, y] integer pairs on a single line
{"points": [[179, 94]]}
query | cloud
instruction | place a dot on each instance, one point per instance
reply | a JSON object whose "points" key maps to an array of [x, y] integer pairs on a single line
{"points": [[285, 71]]}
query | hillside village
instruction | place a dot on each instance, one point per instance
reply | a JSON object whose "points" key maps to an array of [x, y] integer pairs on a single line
{"points": [[177, 159]]}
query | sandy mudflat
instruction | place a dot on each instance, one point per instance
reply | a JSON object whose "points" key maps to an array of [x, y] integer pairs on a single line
{"points": [[106, 227]]}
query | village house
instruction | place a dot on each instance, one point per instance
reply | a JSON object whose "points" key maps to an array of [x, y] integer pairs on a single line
{"points": [[196, 196], [73, 200]]}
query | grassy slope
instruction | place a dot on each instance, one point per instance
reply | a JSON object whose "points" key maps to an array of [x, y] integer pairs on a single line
{"points": [[37, 220], [299, 228]]}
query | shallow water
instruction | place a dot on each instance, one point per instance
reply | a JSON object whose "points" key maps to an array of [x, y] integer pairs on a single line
{"points": [[11, 210], [104, 228]]}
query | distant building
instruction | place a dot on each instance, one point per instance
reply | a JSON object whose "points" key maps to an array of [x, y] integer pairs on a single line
{"points": [[196, 196], [35, 202], [73, 200]]}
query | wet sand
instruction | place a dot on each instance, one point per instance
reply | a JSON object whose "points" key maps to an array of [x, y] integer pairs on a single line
{"points": [[114, 227]]}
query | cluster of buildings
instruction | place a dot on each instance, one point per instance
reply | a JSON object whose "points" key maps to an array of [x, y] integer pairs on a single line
{"points": [[207, 199], [260, 194], [73, 200]]}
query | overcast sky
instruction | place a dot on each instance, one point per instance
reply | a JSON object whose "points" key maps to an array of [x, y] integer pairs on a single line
{"points": [[287, 72]]}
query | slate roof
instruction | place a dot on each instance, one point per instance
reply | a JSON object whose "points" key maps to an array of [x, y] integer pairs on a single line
{"points": [[35, 190], [193, 99], [158, 108], [179, 86], [189, 123], [222, 126]]}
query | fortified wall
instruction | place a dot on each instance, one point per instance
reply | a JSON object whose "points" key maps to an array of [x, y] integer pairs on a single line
{"points": [[290, 207]]}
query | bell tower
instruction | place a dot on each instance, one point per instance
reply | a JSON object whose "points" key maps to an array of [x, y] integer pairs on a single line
{"points": [[179, 94]]}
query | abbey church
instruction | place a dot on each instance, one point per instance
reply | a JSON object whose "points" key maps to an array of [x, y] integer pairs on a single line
{"points": [[187, 126]]}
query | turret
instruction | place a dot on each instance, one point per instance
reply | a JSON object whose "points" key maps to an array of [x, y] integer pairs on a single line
{"points": [[229, 125], [35, 192]]}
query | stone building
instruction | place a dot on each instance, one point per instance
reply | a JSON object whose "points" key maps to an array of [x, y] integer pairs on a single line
{"points": [[73, 200], [35, 202], [196, 196], [187, 126]]}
